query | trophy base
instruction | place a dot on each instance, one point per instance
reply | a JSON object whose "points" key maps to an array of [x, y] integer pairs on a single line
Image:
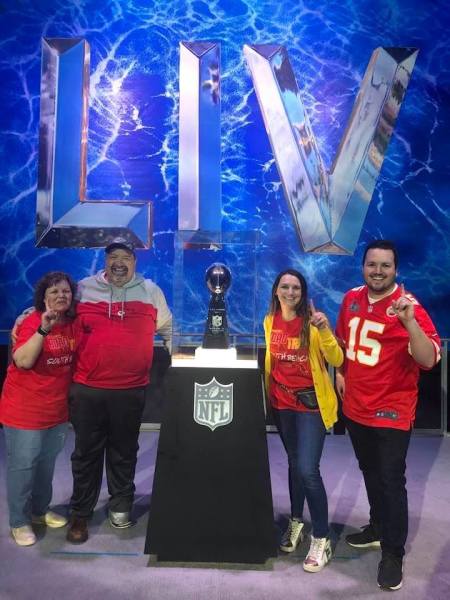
{"points": [[222, 358], [215, 356], [215, 341]]}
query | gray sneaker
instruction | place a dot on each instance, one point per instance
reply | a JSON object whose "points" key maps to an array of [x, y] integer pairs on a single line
{"points": [[120, 520], [293, 535]]}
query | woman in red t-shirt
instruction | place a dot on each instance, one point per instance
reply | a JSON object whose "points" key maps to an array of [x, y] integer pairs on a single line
{"points": [[299, 343], [33, 405]]}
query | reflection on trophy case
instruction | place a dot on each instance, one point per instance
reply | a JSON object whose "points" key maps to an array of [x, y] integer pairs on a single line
{"points": [[215, 299]]}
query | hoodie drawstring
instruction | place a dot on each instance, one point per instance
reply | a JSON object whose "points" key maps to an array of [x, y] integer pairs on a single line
{"points": [[121, 312]]}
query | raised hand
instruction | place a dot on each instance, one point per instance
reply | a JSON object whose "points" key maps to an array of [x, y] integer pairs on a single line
{"points": [[403, 307], [48, 318], [318, 319]]}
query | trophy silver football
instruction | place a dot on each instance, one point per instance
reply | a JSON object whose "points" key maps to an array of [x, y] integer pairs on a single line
{"points": [[218, 280]]}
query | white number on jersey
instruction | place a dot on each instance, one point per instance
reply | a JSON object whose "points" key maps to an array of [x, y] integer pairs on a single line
{"points": [[368, 349]]}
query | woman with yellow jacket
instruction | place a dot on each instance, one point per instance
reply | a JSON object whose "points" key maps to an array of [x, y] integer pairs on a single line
{"points": [[299, 343]]}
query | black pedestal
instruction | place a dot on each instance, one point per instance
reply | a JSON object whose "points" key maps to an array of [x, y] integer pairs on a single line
{"points": [[211, 499]]}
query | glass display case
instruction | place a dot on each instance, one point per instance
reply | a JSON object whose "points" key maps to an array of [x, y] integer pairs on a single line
{"points": [[215, 299]]}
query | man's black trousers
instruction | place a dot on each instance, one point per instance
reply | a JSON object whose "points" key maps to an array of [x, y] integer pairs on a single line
{"points": [[381, 454], [106, 424]]}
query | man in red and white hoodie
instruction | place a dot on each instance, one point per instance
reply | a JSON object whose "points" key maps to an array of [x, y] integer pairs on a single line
{"points": [[388, 338], [118, 314]]}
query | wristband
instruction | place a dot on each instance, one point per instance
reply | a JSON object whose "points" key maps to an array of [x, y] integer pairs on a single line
{"points": [[42, 331]]}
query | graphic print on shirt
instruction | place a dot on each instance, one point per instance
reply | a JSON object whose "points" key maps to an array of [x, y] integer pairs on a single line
{"points": [[290, 367], [62, 347], [287, 349]]}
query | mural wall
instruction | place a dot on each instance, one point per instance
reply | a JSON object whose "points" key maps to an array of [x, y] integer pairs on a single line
{"points": [[133, 136]]}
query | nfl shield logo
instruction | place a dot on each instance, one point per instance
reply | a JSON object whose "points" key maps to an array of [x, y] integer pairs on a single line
{"points": [[213, 404], [216, 321]]}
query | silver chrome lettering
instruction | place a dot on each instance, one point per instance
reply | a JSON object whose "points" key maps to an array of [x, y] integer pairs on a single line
{"points": [[328, 209]]}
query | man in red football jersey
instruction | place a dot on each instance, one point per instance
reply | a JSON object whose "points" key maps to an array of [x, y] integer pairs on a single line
{"points": [[388, 338]]}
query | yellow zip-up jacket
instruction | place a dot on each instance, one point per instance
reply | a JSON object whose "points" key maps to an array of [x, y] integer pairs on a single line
{"points": [[323, 346]]}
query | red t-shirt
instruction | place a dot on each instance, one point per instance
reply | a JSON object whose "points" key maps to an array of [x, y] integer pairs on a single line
{"points": [[36, 398], [289, 363], [380, 374]]}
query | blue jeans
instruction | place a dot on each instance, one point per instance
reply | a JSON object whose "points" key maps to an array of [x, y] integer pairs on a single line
{"points": [[30, 464], [303, 436]]}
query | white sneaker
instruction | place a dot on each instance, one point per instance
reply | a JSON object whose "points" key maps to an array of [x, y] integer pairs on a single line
{"points": [[51, 519], [292, 536], [23, 536], [318, 556]]}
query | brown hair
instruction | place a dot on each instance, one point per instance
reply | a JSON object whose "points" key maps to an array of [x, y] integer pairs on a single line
{"points": [[302, 308], [49, 279]]}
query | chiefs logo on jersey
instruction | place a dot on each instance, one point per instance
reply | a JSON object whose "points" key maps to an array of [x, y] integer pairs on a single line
{"points": [[390, 312]]}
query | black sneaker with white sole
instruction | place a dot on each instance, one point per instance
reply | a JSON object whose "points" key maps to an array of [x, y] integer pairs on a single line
{"points": [[367, 538], [390, 572]]}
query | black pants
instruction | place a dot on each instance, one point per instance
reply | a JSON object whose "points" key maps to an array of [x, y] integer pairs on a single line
{"points": [[106, 424], [381, 453]]}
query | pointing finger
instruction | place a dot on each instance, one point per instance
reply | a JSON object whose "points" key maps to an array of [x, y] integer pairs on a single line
{"points": [[402, 289], [312, 307]]}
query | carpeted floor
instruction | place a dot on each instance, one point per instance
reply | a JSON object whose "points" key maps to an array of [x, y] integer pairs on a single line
{"points": [[111, 565]]}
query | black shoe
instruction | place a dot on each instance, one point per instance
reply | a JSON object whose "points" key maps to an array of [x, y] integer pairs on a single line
{"points": [[368, 538], [390, 572]]}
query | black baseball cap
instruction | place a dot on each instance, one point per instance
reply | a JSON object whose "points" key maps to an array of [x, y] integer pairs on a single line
{"points": [[120, 243]]}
